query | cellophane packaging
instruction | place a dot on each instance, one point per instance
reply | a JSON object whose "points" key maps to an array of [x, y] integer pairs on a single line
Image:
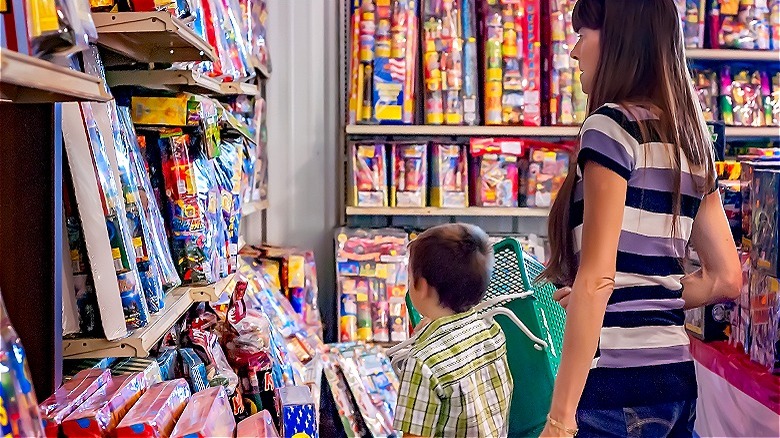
{"points": [[409, 174], [208, 414], [156, 412], [99, 415], [259, 424], [70, 396]]}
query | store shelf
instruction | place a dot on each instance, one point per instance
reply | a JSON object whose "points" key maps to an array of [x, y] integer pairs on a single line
{"points": [[24, 79], [140, 342], [236, 88], [736, 132], [150, 37], [733, 55], [254, 207], [263, 72], [448, 130], [177, 81], [435, 211]]}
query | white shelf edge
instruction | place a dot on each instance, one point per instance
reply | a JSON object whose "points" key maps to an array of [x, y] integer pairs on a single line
{"points": [[25, 79], [448, 130], [435, 211], [175, 80], [733, 55], [239, 88], [211, 292], [772, 132]]}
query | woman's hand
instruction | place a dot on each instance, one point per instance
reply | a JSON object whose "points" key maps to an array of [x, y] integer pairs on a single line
{"points": [[562, 296]]}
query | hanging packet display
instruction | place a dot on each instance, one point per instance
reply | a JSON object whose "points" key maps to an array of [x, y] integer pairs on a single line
{"points": [[382, 61], [448, 28], [568, 104], [449, 176], [409, 174], [512, 51], [156, 411]]}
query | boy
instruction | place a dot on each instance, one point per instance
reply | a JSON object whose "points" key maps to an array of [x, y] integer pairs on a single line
{"points": [[456, 380]]}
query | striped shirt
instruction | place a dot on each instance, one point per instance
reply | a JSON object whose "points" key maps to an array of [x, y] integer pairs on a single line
{"points": [[643, 356], [456, 380]]}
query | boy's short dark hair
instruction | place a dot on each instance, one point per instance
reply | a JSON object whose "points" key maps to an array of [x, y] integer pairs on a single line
{"points": [[457, 260]]}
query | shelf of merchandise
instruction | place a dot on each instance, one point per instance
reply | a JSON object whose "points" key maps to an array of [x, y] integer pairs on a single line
{"points": [[178, 81], [450, 130], [733, 55], [254, 207], [150, 37], [452, 212], [141, 341], [523, 131], [25, 79], [736, 132]]}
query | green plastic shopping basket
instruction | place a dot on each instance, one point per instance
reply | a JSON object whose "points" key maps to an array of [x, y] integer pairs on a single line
{"points": [[533, 371]]}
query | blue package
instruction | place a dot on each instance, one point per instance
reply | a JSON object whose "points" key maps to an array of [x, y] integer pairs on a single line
{"points": [[167, 362], [194, 370], [297, 417]]}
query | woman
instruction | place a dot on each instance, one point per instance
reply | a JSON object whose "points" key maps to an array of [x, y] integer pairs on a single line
{"points": [[643, 190]]}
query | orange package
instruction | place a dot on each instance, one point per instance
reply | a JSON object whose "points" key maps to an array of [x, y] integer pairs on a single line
{"points": [[208, 414], [156, 411], [70, 396], [259, 424], [99, 415]]}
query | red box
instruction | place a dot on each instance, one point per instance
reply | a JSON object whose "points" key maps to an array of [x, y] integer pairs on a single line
{"points": [[99, 415], [156, 412], [68, 397]]}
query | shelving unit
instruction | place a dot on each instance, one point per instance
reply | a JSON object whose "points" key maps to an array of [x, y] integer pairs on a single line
{"points": [[178, 81], [733, 55], [450, 212], [148, 37], [24, 79], [447, 130]]}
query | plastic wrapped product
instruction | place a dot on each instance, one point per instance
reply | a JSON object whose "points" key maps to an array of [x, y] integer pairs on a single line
{"points": [[705, 83], [146, 366], [692, 14], [167, 362], [567, 101], [449, 175], [764, 320], [409, 177], [547, 169], [208, 414], [260, 424], [193, 369], [99, 415], [296, 412], [772, 99], [156, 411], [57, 27], [765, 235], [369, 176], [744, 25], [495, 172], [70, 396]]}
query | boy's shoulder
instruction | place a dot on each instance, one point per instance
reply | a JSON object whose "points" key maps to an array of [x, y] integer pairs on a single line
{"points": [[454, 350]]}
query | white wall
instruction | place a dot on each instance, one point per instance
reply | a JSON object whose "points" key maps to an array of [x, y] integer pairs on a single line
{"points": [[302, 121]]}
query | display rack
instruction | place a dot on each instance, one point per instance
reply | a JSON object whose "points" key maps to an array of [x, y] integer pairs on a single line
{"points": [[149, 37], [178, 81], [732, 55], [450, 212], [24, 79]]}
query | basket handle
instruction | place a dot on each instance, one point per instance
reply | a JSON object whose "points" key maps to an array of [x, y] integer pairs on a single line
{"points": [[539, 344]]}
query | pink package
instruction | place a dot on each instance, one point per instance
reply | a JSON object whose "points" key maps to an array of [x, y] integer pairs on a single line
{"points": [[70, 396], [259, 424], [99, 415], [208, 414], [156, 412]]}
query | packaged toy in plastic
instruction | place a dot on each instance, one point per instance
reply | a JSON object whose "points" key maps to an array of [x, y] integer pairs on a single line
{"points": [[568, 104], [21, 417], [384, 40], [259, 424], [741, 98], [512, 47], [449, 61], [449, 175], [368, 187], [372, 277], [548, 166], [377, 420], [772, 98], [296, 412], [59, 27], [207, 414], [156, 411], [495, 172], [103, 410], [158, 237], [705, 83], [765, 320], [70, 396], [692, 15], [133, 300], [765, 198], [409, 177], [744, 25]]}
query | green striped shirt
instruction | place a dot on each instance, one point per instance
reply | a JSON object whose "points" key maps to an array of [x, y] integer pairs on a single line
{"points": [[456, 381]]}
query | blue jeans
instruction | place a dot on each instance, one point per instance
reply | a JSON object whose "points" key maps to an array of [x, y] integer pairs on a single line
{"points": [[671, 420]]}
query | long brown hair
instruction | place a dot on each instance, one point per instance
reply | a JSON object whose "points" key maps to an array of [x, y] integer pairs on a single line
{"points": [[642, 64]]}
